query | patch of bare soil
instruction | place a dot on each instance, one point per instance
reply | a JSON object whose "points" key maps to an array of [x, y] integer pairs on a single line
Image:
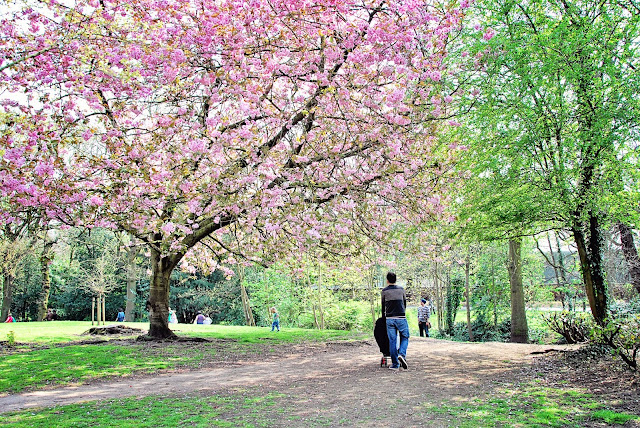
{"points": [[594, 369], [342, 384]]}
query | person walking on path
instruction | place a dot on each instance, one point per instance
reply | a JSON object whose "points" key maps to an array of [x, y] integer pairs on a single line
{"points": [[424, 312], [394, 303], [276, 319]]}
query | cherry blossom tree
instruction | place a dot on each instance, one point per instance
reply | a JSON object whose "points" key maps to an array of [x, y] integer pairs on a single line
{"points": [[244, 128]]}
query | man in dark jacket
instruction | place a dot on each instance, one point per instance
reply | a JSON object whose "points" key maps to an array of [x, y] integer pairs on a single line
{"points": [[394, 303]]}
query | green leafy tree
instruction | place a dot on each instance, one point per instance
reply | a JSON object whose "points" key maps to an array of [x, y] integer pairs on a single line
{"points": [[553, 123], [455, 289]]}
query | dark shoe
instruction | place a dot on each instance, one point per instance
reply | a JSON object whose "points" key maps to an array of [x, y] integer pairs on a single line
{"points": [[393, 368], [403, 362]]}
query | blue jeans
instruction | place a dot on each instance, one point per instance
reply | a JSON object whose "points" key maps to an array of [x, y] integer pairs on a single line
{"points": [[395, 327], [275, 324]]}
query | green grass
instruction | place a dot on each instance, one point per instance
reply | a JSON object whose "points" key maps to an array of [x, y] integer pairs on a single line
{"points": [[260, 334], [76, 364], [214, 411], [612, 417], [46, 333], [49, 353], [530, 406]]}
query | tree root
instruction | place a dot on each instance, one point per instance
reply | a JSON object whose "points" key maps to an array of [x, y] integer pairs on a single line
{"points": [[173, 338]]}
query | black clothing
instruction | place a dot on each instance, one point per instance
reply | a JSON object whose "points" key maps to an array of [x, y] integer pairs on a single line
{"points": [[382, 338], [394, 301]]}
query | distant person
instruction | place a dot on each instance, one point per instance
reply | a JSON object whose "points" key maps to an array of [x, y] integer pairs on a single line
{"points": [[276, 319], [199, 318], [10, 318], [49, 316], [54, 315], [394, 303], [120, 316], [432, 306], [207, 320], [173, 318], [424, 312]]}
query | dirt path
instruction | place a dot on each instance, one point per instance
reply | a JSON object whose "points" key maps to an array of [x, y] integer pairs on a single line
{"points": [[326, 380]]}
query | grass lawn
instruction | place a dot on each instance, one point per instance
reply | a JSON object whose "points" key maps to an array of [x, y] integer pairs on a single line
{"points": [[53, 353], [527, 406], [531, 405], [214, 411]]}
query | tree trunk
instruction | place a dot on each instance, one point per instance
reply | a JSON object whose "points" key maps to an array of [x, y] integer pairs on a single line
{"points": [[7, 296], [129, 311], [320, 308], [372, 296], [467, 298], [161, 268], [630, 254], [246, 307], [494, 292], [45, 263], [590, 254], [556, 267], [437, 283], [519, 328]]}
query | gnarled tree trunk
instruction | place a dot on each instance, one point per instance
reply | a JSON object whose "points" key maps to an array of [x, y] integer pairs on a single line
{"points": [[161, 268], [590, 253]]}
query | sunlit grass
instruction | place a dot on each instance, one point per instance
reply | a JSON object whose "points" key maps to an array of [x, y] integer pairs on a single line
{"points": [[213, 411], [71, 331], [530, 405], [71, 364], [46, 353], [260, 334], [49, 332]]}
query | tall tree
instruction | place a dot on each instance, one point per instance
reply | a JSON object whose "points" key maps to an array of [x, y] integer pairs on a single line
{"points": [[557, 114], [13, 248], [519, 328], [17, 240], [630, 254], [46, 258], [249, 127], [19, 228]]}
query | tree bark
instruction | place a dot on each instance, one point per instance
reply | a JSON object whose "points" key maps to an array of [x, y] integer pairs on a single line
{"points": [[590, 254], [129, 311], [246, 307], [438, 283], [630, 254], [161, 268], [45, 263], [467, 298], [7, 295], [519, 327]]}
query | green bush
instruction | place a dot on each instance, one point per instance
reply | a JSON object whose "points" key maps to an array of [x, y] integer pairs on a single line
{"points": [[349, 315], [574, 327], [621, 332]]}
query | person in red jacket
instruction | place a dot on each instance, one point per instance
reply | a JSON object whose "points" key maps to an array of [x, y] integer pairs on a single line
{"points": [[10, 318]]}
